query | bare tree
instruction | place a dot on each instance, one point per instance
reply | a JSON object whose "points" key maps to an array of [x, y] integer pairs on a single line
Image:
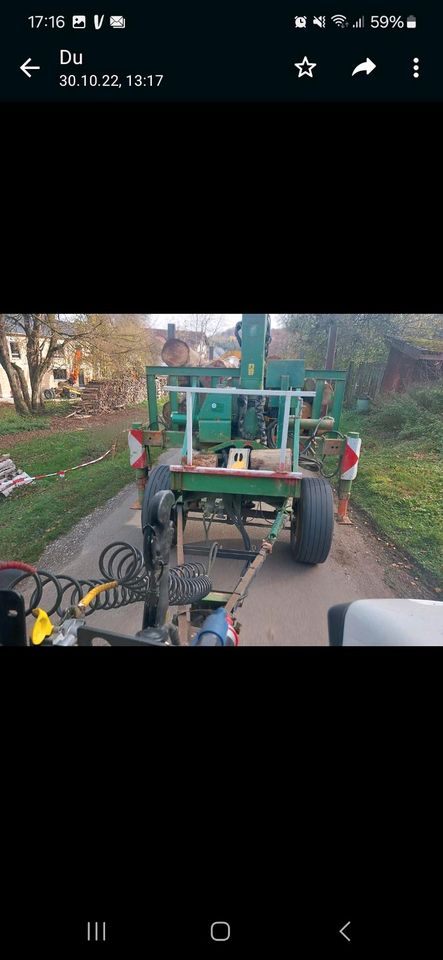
{"points": [[205, 325], [114, 344], [14, 373], [44, 338], [123, 346]]}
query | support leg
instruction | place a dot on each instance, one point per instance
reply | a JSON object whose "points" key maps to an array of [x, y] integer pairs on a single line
{"points": [[184, 611]]}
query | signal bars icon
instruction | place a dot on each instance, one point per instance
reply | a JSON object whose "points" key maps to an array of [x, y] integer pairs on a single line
{"points": [[359, 23]]}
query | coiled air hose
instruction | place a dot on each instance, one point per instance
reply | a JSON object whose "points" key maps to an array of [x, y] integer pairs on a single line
{"points": [[124, 580]]}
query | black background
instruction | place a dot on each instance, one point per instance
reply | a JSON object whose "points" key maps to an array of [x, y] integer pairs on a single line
{"points": [[267, 776]]}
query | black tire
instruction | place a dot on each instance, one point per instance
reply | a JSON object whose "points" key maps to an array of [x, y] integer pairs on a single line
{"points": [[47, 394], [313, 521], [159, 479]]}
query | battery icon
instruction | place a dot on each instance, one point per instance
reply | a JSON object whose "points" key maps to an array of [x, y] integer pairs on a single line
{"points": [[411, 23]]}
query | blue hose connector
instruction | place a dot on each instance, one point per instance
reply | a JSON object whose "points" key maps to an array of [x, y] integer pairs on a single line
{"points": [[214, 631]]}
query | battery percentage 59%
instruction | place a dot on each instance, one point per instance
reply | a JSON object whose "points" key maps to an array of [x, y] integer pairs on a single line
{"points": [[387, 21]]}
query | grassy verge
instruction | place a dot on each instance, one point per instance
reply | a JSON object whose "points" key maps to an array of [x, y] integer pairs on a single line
{"points": [[11, 422], [400, 479], [37, 514]]}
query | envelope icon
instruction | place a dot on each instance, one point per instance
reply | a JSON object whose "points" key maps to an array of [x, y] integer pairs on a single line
{"points": [[117, 22]]}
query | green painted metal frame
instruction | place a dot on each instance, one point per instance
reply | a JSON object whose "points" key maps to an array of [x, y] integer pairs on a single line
{"points": [[253, 356], [255, 487], [296, 440], [222, 372], [152, 402], [279, 522], [338, 377], [316, 406], [284, 385], [194, 374]]}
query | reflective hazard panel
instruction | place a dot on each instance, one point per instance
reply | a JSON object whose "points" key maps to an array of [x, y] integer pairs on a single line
{"points": [[137, 452], [349, 464]]}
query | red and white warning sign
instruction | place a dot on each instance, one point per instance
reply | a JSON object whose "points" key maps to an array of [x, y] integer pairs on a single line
{"points": [[349, 463], [137, 452]]}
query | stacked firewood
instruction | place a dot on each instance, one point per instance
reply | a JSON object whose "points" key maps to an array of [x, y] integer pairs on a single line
{"points": [[101, 396], [160, 384]]}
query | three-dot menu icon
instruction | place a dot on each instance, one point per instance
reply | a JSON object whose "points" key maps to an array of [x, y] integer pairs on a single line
{"points": [[96, 931]]}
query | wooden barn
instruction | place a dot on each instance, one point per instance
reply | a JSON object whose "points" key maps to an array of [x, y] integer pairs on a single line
{"points": [[411, 361]]}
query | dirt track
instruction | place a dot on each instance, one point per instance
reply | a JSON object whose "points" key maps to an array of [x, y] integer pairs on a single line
{"points": [[287, 603]]}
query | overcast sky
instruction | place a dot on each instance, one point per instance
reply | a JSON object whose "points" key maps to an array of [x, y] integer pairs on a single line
{"points": [[227, 319]]}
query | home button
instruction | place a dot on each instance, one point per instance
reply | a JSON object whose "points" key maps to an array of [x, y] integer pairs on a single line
{"points": [[220, 931]]}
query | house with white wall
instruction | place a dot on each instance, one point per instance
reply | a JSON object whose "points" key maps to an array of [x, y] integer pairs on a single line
{"points": [[64, 361]]}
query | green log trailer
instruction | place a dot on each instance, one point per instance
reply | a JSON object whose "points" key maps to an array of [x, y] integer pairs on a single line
{"points": [[260, 433]]}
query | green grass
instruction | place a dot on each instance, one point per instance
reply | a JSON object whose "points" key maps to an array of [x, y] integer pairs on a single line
{"points": [[35, 515], [11, 422], [400, 479]]}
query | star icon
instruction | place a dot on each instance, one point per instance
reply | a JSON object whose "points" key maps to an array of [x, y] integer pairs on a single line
{"points": [[305, 68]]}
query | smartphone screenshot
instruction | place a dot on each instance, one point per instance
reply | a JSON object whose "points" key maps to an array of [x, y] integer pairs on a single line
{"points": [[173, 52], [221, 426]]}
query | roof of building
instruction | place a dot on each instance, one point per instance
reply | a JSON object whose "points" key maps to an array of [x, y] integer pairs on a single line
{"points": [[15, 327], [418, 347]]}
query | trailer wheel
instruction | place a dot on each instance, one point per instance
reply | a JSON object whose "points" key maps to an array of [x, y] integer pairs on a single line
{"points": [[312, 521], [159, 479]]}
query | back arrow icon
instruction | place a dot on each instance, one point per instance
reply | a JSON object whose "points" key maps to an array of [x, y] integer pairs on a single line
{"points": [[26, 68], [366, 67], [342, 931]]}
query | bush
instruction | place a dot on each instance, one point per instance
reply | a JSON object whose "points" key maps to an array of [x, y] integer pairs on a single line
{"points": [[429, 398], [413, 415], [391, 415]]}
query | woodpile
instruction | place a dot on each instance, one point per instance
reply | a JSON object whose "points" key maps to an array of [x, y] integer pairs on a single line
{"points": [[10, 475], [101, 396]]}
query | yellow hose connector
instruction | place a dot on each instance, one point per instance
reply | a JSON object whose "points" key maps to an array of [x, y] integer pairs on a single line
{"points": [[42, 627]]}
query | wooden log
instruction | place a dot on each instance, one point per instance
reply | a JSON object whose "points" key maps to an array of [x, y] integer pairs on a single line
{"points": [[200, 459], [269, 460]]}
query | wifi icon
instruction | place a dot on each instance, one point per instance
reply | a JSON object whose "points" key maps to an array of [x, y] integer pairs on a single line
{"points": [[339, 20]]}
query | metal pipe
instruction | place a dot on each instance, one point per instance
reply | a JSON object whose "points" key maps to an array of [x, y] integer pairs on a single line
{"points": [[189, 424], [240, 391], [279, 523], [296, 440], [284, 433], [328, 423]]}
